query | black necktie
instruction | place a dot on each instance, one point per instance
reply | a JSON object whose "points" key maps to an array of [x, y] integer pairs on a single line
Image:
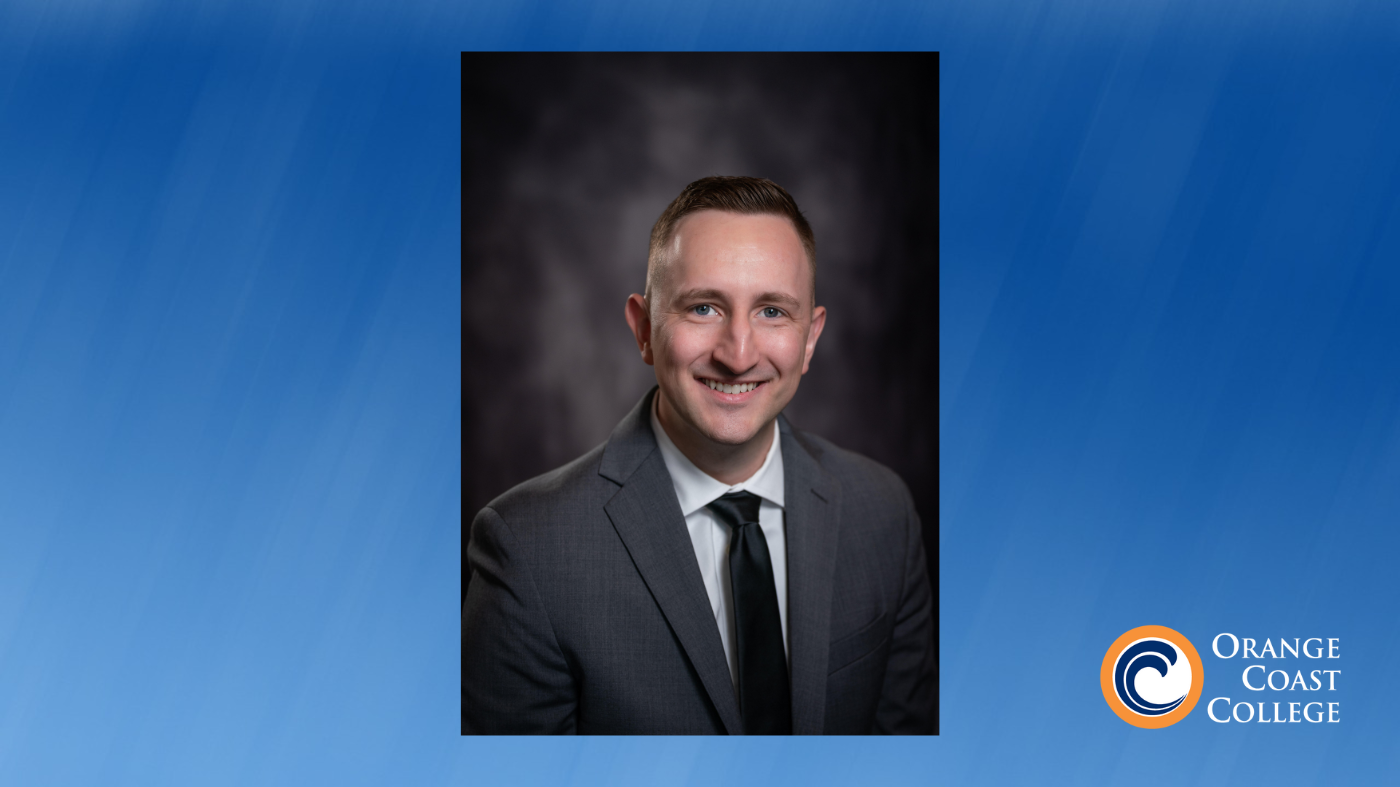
{"points": [[763, 677]]}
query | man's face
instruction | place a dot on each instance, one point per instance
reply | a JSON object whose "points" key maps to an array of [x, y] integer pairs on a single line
{"points": [[732, 325]]}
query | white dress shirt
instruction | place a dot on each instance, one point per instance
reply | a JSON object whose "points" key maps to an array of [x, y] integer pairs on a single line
{"points": [[710, 537]]}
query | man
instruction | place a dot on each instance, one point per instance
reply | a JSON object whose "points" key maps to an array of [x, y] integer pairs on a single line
{"points": [[709, 569]]}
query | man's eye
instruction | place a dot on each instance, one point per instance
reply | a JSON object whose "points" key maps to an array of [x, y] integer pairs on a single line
{"points": [[704, 310], [772, 312]]}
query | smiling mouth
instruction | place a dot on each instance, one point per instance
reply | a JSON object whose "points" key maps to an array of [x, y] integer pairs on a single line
{"points": [[734, 388]]}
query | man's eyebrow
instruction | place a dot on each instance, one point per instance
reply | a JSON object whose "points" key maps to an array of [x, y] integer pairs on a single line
{"points": [[701, 295], [779, 298]]}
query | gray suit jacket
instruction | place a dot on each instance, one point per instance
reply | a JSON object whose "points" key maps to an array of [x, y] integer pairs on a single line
{"points": [[586, 613]]}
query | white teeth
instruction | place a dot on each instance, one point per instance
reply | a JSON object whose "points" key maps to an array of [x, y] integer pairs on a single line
{"points": [[731, 389]]}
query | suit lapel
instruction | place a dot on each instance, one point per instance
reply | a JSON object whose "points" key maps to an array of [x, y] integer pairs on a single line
{"points": [[648, 519], [813, 500]]}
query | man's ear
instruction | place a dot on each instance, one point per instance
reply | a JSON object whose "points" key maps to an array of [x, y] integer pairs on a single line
{"points": [[639, 320], [814, 333]]}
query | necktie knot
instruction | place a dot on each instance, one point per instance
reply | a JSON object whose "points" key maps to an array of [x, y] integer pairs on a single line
{"points": [[736, 509]]}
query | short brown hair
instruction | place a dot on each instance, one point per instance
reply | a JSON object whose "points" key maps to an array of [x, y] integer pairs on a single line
{"points": [[735, 194]]}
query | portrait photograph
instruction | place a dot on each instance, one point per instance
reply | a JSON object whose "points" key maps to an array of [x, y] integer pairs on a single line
{"points": [[794, 395], [700, 341]]}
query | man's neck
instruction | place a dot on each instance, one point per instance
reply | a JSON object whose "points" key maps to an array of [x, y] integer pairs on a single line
{"points": [[728, 464]]}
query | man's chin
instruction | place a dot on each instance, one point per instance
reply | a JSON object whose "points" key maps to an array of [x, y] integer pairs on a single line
{"points": [[723, 426], [732, 434]]}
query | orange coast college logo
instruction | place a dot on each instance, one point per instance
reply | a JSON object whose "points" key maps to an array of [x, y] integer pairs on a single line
{"points": [[1152, 677]]}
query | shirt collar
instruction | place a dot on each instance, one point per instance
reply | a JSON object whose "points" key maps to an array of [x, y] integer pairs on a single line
{"points": [[696, 489]]}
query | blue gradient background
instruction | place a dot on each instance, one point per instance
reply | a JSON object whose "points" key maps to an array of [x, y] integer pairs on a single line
{"points": [[230, 374]]}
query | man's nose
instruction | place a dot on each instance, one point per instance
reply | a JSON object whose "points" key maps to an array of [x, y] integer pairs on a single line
{"points": [[736, 350]]}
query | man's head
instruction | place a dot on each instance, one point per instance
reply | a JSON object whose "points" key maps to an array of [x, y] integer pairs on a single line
{"points": [[731, 194], [730, 301]]}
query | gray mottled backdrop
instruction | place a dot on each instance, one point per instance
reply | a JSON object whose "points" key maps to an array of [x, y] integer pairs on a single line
{"points": [[568, 159]]}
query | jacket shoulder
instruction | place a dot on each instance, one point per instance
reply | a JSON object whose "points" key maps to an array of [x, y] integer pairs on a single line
{"points": [[862, 479], [566, 492]]}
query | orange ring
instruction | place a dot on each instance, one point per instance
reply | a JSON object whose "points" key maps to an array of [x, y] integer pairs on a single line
{"points": [[1198, 677]]}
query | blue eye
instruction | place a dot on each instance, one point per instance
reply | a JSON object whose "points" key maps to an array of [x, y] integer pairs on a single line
{"points": [[704, 310], [772, 312]]}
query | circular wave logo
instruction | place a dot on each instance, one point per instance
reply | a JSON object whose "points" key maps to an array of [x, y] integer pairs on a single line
{"points": [[1152, 677]]}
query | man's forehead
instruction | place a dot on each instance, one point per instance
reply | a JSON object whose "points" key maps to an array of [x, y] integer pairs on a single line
{"points": [[717, 229], [731, 248]]}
